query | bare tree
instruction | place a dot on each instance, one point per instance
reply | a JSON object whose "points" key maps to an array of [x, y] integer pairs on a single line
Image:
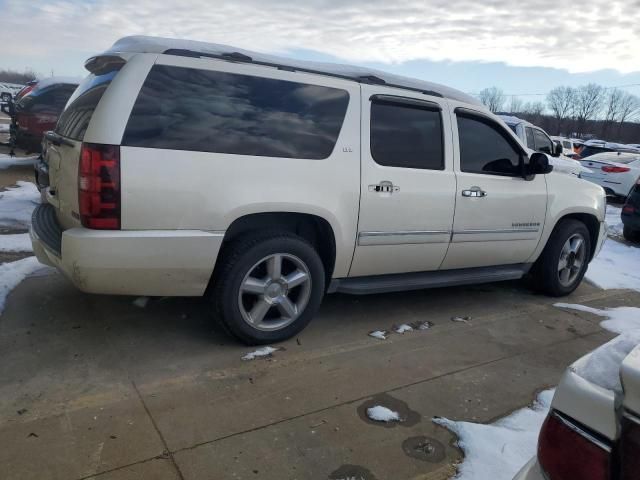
{"points": [[612, 106], [493, 98], [629, 107], [588, 103], [534, 108], [516, 104], [561, 101]]}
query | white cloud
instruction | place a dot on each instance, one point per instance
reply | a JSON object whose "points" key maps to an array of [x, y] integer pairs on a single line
{"points": [[594, 35]]}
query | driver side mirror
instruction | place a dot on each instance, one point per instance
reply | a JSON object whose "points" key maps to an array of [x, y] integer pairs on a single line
{"points": [[538, 165], [557, 149]]}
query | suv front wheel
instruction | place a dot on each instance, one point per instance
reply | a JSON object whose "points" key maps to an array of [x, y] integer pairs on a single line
{"points": [[564, 260], [268, 287]]}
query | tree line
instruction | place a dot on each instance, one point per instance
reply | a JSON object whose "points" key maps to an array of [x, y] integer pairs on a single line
{"points": [[587, 111], [14, 76]]}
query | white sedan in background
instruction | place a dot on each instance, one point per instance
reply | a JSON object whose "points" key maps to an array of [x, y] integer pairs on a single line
{"points": [[616, 172]]}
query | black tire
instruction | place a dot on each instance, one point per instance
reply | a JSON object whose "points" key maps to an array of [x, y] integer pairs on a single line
{"points": [[629, 234], [238, 260], [6, 97], [545, 272]]}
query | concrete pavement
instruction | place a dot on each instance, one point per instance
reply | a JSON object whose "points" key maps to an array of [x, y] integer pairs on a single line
{"points": [[95, 387]]}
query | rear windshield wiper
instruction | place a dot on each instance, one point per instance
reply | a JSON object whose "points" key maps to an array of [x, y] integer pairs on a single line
{"points": [[57, 139]]}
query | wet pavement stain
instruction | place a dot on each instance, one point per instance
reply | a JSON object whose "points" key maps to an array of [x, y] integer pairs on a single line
{"points": [[424, 448], [352, 472], [408, 417]]}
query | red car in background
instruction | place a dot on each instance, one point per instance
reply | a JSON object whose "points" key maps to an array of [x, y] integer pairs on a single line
{"points": [[36, 111]]}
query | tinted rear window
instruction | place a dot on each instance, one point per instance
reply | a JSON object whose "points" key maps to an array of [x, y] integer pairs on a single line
{"points": [[75, 119], [406, 136], [209, 111]]}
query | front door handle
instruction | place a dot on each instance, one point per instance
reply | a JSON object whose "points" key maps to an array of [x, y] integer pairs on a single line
{"points": [[474, 192]]}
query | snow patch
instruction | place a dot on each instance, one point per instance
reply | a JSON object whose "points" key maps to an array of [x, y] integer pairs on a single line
{"points": [[403, 328], [261, 352], [613, 220], [602, 366], [616, 266], [498, 451], [382, 414], [141, 302], [7, 161], [20, 242], [17, 204], [379, 334], [11, 274]]}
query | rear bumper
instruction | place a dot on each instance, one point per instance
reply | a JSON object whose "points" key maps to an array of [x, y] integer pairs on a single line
{"points": [[531, 471], [121, 262]]}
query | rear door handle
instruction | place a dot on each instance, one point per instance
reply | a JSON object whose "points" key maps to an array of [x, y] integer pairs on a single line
{"points": [[474, 192], [384, 187]]}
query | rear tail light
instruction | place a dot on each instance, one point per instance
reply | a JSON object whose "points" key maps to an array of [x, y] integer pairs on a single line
{"points": [[99, 186], [628, 209], [567, 451], [614, 169], [629, 448]]}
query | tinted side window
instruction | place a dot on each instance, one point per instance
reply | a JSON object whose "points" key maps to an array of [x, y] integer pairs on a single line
{"points": [[406, 136], [566, 144], [74, 121], [208, 111], [484, 148], [543, 143], [530, 142]]}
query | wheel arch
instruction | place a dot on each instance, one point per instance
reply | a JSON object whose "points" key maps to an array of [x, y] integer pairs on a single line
{"points": [[590, 221], [313, 228]]}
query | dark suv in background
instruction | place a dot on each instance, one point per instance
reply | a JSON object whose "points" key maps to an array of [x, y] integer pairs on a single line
{"points": [[631, 214]]}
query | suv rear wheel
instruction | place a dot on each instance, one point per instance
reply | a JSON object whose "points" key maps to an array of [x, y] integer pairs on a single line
{"points": [[268, 287], [564, 260]]}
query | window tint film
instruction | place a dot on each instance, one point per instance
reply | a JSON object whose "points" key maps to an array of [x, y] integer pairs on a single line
{"points": [[200, 110], [75, 119], [530, 141], [406, 136], [484, 149], [543, 143]]}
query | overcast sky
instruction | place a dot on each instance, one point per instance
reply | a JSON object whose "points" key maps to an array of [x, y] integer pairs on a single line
{"points": [[520, 46]]}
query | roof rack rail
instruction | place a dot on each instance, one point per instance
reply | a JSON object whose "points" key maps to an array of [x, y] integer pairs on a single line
{"points": [[242, 58]]}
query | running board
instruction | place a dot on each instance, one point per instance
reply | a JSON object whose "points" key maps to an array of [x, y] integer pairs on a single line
{"points": [[418, 280]]}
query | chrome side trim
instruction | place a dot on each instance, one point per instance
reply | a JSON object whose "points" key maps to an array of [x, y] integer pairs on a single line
{"points": [[497, 230], [572, 426], [403, 237]]}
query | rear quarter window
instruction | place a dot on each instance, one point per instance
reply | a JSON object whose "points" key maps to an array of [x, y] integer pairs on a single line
{"points": [[209, 111], [74, 121]]}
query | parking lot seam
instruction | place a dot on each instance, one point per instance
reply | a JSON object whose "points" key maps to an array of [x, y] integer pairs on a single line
{"points": [[167, 451]]}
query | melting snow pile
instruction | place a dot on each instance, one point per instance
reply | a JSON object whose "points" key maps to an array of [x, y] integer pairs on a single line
{"points": [[403, 328], [616, 266], [11, 274], [7, 161], [379, 334], [17, 204], [613, 220], [499, 450], [261, 352], [603, 365], [15, 243], [141, 302], [382, 414]]}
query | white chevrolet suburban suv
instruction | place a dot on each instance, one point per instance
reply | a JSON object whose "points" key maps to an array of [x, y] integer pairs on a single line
{"points": [[187, 169]]}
